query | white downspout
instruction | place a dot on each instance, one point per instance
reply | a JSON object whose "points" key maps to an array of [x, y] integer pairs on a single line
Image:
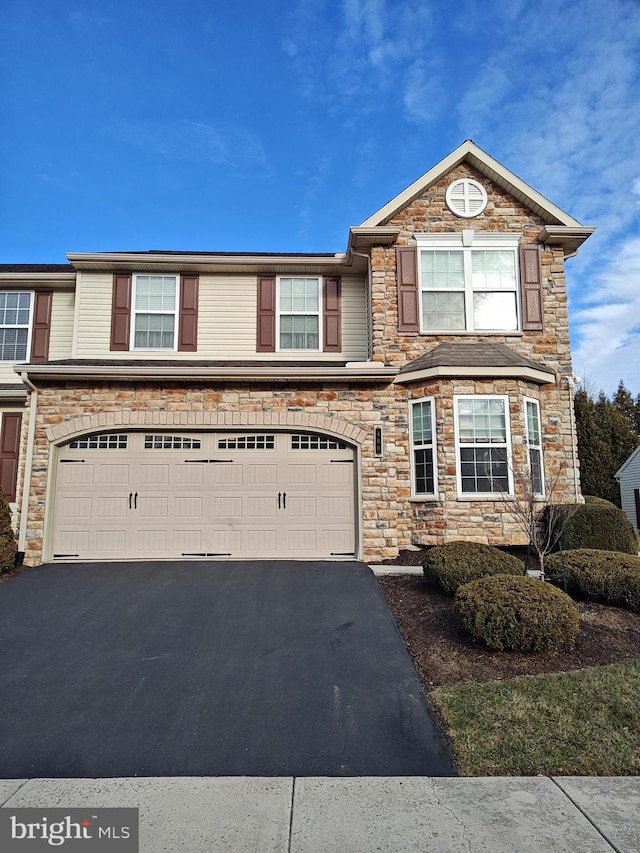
{"points": [[28, 462]]}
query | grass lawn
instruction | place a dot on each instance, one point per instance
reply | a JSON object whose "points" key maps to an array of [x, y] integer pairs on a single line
{"points": [[585, 722]]}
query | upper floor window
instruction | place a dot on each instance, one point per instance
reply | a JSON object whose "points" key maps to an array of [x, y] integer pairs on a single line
{"points": [[299, 311], [483, 446], [468, 282], [534, 443], [423, 448], [154, 315], [15, 318]]}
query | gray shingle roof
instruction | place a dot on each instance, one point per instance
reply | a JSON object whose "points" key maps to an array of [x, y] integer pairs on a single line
{"points": [[471, 355]]}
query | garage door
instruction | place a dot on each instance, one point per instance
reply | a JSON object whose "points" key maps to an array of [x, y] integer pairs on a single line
{"points": [[150, 495]]}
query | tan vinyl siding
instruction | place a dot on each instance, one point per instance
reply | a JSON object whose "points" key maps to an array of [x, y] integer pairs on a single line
{"points": [[226, 321], [61, 336]]}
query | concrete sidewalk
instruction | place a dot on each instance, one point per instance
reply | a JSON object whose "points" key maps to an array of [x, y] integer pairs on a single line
{"points": [[359, 814]]}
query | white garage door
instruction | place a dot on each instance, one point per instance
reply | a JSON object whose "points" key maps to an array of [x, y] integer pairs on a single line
{"points": [[150, 495]]}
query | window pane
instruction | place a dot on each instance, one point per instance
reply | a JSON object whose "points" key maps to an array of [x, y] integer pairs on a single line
{"points": [[155, 293], [299, 332], [13, 344], [493, 270], [533, 424], [482, 422], [421, 417], [299, 294], [442, 270], [154, 331], [535, 463], [423, 468], [495, 311], [443, 311], [484, 470]]}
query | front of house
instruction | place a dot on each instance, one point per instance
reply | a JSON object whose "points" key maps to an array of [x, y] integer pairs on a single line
{"points": [[189, 405]]}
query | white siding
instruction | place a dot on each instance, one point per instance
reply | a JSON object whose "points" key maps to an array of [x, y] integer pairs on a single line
{"points": [[629, 481], [226, 321], [61, 339]]}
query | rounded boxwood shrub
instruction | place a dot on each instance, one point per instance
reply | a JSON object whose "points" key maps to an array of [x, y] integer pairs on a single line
{"points": [[517, 613], [602, 525], [457, 563], [609, 576]]}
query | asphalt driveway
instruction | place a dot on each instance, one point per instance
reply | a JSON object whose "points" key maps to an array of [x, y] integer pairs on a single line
{"points": [[262, 668]]}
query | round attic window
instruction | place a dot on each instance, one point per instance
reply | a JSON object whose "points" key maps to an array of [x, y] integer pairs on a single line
{"points": [[466, 198]]}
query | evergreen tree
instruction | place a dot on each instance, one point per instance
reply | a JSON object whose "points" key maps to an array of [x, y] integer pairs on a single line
{"points": [[606, 439]]}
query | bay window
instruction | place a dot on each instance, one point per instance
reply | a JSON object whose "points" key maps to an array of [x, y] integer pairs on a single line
{"points": [[423, 448], [534, 444], [483, 448]]}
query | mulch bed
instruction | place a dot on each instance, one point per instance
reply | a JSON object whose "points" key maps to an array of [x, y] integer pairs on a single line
{"points": [[443, 654]]}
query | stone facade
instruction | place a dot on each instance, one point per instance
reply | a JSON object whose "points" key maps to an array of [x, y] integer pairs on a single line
{"points": [[388, 518]]}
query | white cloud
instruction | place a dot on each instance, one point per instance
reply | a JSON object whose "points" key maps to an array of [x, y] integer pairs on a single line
{"points": [[224, 145]]}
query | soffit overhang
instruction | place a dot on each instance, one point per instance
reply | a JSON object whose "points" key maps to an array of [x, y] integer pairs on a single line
{"points": [[219, 373], [251, 263]]}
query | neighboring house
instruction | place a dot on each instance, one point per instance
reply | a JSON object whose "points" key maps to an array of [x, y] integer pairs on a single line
{"points": [[628, 477], [189, 404]]}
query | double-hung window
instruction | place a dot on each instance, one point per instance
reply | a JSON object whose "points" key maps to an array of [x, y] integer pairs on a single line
{"points": [[534, 443], [423, 449], [468, 282], [15, 317], [482, 445], [299, 312], [155, 316]]}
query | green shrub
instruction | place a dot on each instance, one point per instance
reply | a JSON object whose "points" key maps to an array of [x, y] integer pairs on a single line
{"points": [[8, 545], [460, 562], [602, 525], [609, 576], [517, 613]]}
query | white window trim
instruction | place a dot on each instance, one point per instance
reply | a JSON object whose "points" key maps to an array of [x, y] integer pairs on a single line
{"points": [[135, 312], [536, 403], [320, 313], [483, 496], [467, 241], [29, 326], [434, 444]]}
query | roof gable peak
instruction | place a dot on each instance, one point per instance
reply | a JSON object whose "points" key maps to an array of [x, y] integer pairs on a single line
{"points": [[494, 171]]}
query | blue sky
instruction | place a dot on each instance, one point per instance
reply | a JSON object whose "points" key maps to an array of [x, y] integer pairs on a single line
{"points": [[276, 126]]}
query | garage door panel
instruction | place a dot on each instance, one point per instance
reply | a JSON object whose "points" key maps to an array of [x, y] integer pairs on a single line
{"points": [[137, 495], [111, 507], [76, 474]]}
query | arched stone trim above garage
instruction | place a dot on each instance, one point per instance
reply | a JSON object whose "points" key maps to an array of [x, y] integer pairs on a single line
{"points": [[66, 430]]}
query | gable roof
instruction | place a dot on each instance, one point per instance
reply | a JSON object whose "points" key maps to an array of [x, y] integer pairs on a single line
{"points": [[626, 464], [470, 153]]}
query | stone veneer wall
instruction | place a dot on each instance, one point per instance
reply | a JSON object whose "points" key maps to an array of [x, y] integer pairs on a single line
{"points": [[390, 520]]}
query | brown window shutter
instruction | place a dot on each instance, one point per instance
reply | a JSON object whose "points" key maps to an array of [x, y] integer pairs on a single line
{"points": [[121, 312], [41, 325], [9, 452], [531, 283], [332, 315], [188, 321], [407, 273], [266, 329]]}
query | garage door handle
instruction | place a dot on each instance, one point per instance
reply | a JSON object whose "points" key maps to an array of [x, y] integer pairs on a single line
{"points": [[135, 501], [284, 500], [279, 497], [130, 496]]}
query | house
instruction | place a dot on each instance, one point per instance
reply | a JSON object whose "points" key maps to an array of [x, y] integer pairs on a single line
{"points": [[256, 405], [628, 477]]}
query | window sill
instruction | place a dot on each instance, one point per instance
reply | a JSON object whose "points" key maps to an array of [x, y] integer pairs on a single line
{"points": [[484, 497], [468, 334], [424, 499]]}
